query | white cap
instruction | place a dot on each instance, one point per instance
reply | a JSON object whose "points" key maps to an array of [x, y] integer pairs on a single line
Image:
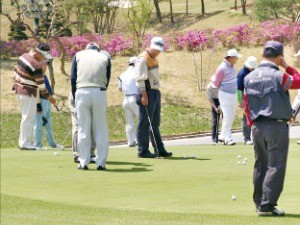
{"points": [[132, 60], [157, 43], [46, 54], [251, 62], [297, 54], [233, 53]]}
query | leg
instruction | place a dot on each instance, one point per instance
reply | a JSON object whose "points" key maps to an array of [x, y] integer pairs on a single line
{"points": [[214, 116], [260, 166], [28, 111], [74, 125], [246, 129], [155, 118], [100, 128], [49, 129], [277, 151], [130, 129], [135, 110], [83, 108], [143, 131], [38, 130]]}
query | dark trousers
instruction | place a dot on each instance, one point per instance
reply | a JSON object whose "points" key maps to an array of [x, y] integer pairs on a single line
{"points": [[246, 129], [143, 129], [271, 142], [214, 117]]}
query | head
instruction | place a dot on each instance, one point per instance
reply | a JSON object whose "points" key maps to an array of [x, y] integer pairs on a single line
{"points": [[42, 53], [232, 56], [132, 61], [251, 63], [93, 46], [297, 56], [273, 51], [156, 46]]}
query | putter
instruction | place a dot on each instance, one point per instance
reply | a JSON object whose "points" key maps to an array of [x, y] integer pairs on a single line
{"points": [[154, 140]]}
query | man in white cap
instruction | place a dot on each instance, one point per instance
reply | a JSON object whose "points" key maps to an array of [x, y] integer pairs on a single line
{"points": [[147, 78], [296, 103], [249, 65], [28, 83], [226, 81], [90, 75], [127, 85]]}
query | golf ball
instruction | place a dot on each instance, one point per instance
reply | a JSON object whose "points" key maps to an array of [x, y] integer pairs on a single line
{"points": [[239, 163], [239, 156], [245, 159], [244, 162], [55, 153], [233, 197]]}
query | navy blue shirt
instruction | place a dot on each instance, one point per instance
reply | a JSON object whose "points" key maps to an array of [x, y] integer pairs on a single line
{"points": [[48, 86], [240, 78]]}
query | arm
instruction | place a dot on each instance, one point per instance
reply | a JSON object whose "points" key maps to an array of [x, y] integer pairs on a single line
{"points": [[141, 70], [47, 84], [74, 76], [39, 79], [247, 111], [240, 85], [296, 77], [108, 72], [218, 77]]}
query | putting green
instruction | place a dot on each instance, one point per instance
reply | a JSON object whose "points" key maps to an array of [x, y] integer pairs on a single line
{"points": [[42, 188]]}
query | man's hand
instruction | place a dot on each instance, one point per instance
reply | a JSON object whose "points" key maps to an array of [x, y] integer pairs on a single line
{"points": [[144, 99], [283, 63], [52, 100]]}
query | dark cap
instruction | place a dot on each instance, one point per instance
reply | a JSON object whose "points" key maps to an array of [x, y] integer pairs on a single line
{"points": [[277, 47]]}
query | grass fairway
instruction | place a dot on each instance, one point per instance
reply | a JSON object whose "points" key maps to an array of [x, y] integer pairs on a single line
{"points": [[41, 188]]}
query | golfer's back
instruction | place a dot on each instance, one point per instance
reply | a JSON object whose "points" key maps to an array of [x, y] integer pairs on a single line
{"points": [[91, 69]]}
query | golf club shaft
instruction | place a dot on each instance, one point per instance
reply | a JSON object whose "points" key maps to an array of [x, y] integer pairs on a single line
{"points": [[151, 128]]}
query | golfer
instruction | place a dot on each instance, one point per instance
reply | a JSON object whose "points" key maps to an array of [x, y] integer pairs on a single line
{"points": [[147, 78], [90, 75], [269, 109], [128, 86], [213, 98], [249, 65], [296, 103], [44, 118], [74, 120], [225, 80], [28, 81]]}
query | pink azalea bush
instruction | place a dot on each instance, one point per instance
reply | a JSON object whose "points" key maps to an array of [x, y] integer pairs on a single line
{"points": [[122, 45]]}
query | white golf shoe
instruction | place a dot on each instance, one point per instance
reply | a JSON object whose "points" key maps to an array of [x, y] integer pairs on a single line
{"points": [[298, 142], [248, 142]]}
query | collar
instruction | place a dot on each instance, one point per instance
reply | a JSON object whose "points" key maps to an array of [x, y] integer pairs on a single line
{"points": [[265, 61]]}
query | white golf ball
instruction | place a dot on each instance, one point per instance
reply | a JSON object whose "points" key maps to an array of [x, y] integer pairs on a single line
{"points": [[239, 163], [244, 162], [233, 197], [55, 153], [245, 159], [239, 156]]}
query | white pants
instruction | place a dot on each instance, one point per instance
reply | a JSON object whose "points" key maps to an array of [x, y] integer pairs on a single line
{"points": [[229, 104], [91, 104], [295, 106], [132, 112], [28, 111]]}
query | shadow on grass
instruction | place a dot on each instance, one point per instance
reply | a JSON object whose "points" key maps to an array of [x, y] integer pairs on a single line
{"points": [[188, 158], [292, 216], [119, 163]]}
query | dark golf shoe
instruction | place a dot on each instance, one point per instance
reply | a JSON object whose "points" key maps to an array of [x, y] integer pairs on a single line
{"points": [[146, 154], [274, 212], [101, 168], [82, 168], [165, 154], [76, 159]]}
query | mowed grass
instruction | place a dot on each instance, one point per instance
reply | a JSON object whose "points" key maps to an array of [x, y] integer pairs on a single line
{"points": [[41, 188]]}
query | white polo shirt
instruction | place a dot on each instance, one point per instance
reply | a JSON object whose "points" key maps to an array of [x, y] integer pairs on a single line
{"points": [[128, 82]]}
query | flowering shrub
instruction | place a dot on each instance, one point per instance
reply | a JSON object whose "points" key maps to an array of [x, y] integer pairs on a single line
{"points": [[119, 44]]}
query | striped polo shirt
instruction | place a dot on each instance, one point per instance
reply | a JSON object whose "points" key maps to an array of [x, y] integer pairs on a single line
{"points": [[28, 76], [225, 78]]}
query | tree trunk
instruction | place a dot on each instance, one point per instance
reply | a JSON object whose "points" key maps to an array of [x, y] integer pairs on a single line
{"points": [[244, 3], [62, 56], [51, 74], [158, 12], [203, 7], [187, 7], [235, 4], [0, 6], [171, 11]]}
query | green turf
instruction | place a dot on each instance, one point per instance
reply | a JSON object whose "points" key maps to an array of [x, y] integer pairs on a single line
{"points": [[41, 188]]}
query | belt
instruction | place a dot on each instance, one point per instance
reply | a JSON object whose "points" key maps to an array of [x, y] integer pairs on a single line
{"points": [[263, 118], [128, 95], [103, 89]]}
